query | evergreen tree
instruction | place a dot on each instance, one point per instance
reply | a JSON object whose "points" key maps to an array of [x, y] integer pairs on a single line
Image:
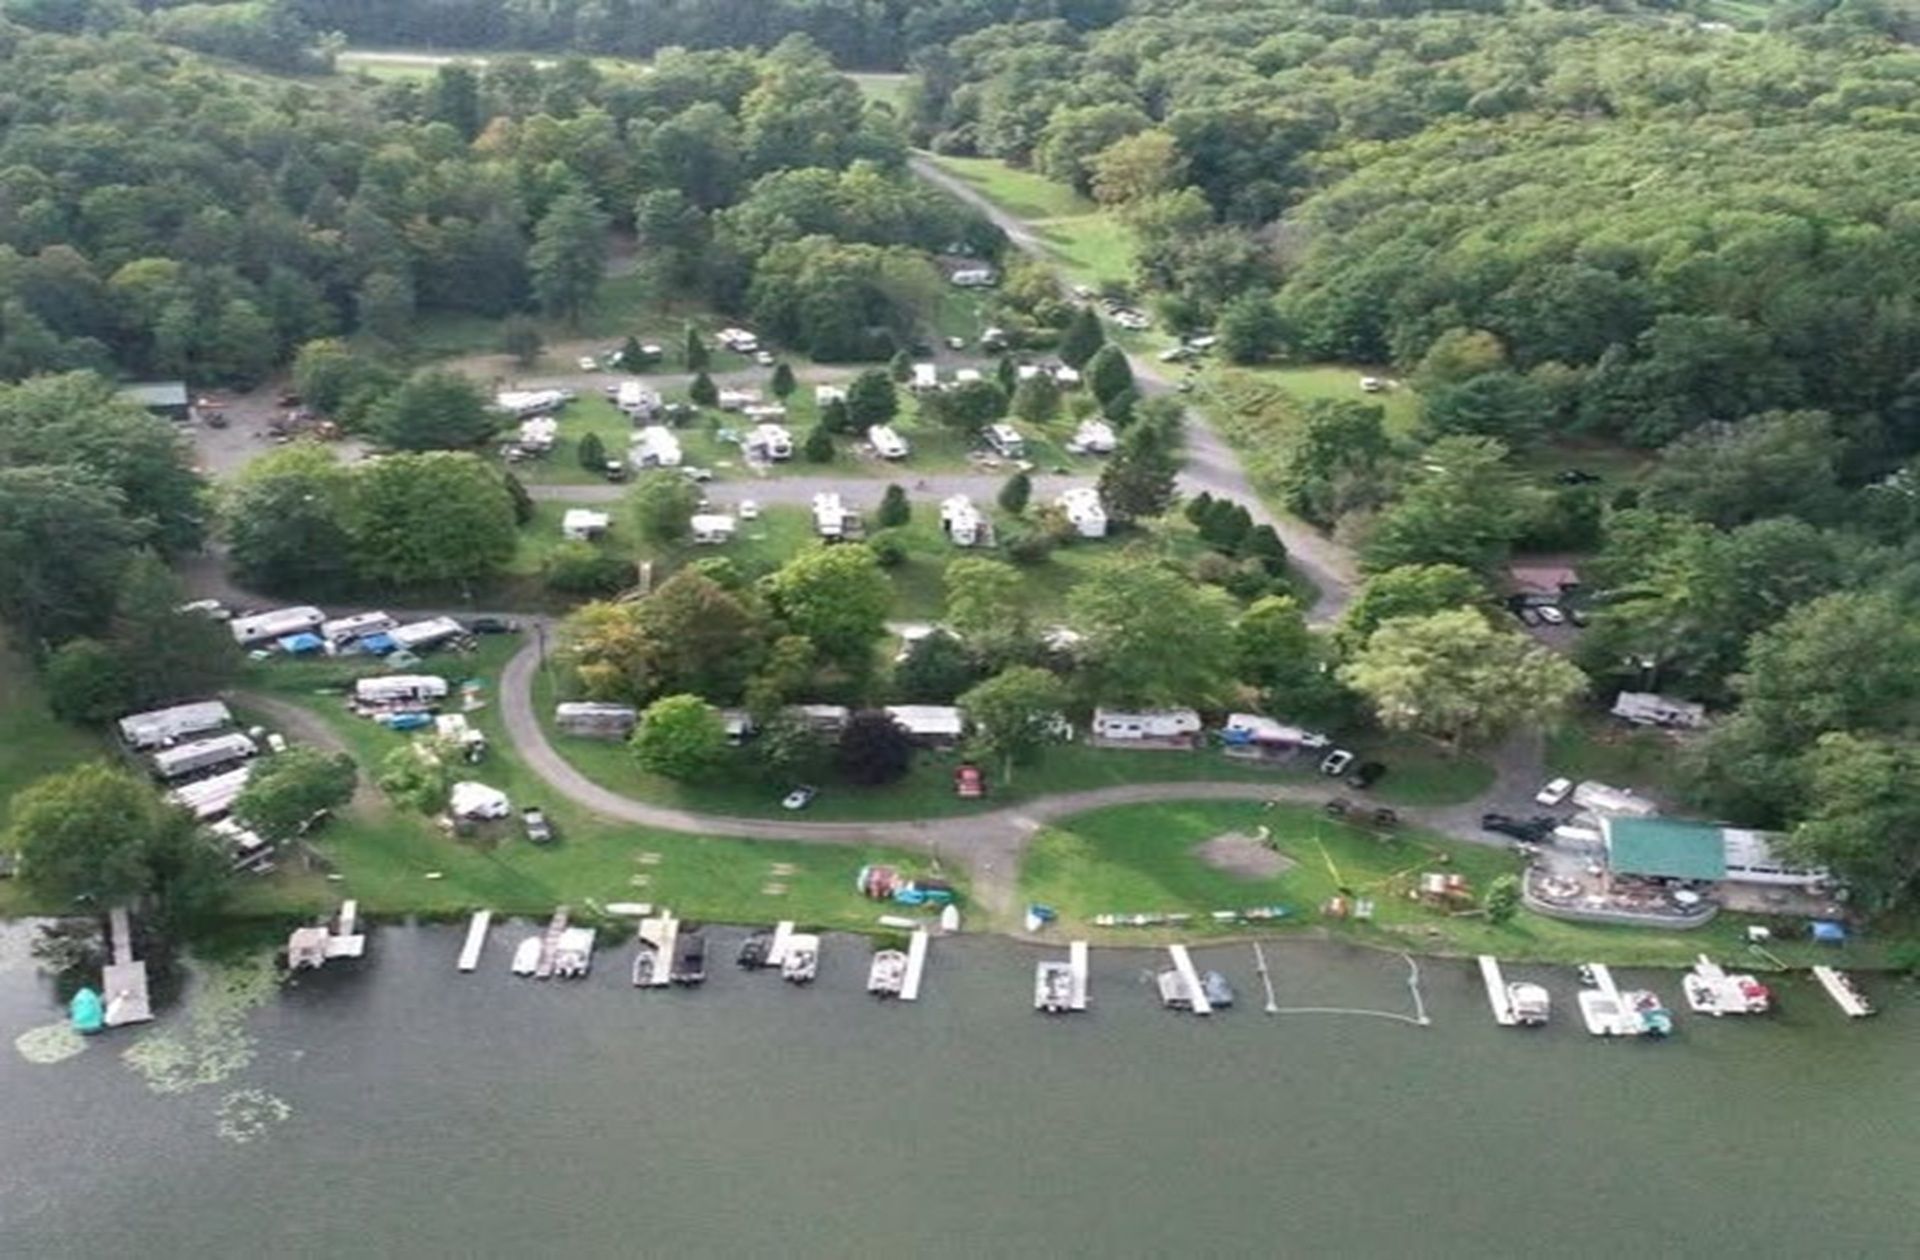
{"points": [[695, 350], [871, 399], [630, 353], [569, 255], [1016, 493], [1082, 339], [703, 391], [819, 445], [520, 339], [1108, 374], [900, 367], [894, 508], [593, 453], [782, 383]]}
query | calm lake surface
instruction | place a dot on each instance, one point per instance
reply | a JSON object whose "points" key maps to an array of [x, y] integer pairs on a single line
{"points": [[405, 1109]]}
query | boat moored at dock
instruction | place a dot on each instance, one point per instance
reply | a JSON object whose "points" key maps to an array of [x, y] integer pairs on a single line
{"points": [[689, 959], [646, 966], [802, 960], [1711, 991], [754, 950], [887, 974], [1053, 986]]}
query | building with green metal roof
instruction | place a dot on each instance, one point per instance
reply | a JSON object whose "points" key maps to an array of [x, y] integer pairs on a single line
{"points": [[1665, 848]]}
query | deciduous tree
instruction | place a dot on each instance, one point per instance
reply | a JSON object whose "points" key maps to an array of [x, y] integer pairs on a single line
{"points": [[1129, 612], [838, 598], [1015, 714], [289, 789], [680, 737], [873, 750], [435, 410], [430, 518]]}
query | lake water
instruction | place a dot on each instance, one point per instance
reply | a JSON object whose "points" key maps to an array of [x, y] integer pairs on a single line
{"points": [[405, 1109]]}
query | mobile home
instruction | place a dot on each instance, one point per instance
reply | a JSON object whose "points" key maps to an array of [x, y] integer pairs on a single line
{"points": [[421, 636], [212, 798], [400, 689], [1164, 726], [595, 720], [655, 447], [1085, 512], [202, 754], [887, 442], [343, 634], [584, 524], [161, 728]]}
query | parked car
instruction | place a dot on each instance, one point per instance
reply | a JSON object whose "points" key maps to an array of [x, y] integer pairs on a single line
{"points": [[1551, 615], [1554, 792], [589, 364], [539, 830], [799, 798], [763, 357], [748, 510], [1366, 774], [1527, 830], [1338, 807], [1335, 763], [617, 470], [1576, 477], [697, 475], [492, 625], [1528, 614]]}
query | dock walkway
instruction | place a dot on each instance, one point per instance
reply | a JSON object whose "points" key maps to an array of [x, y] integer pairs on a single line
{"points": [[916, 966], [1497, 991], [476, 939], [550, 943], [1077, 963], [663, 933], [1840, 988], [124, 980], [1196, 992]]}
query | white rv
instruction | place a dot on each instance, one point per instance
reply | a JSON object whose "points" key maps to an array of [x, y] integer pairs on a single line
{"points": [[1006, 440], [738, 399], [824, 394], [343, 633], [655, 447], [521, 403], [1164, 725], [973, 277], [212, 798], [277, 624], [770, 442], [962, 521], [595, 720], [1085, 512], [421, 636], [584, 524], [925, 377], [830, 515], [1093, 437], [710, 529], [887, 442], [637, 401]]}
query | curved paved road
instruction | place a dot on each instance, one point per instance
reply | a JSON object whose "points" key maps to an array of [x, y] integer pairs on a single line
{"points": [[989, 844], [1211, 464]]}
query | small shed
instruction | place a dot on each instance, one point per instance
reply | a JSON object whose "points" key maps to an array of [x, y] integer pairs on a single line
{"points": [[1647, 708], [161, 398], [935, 725]]}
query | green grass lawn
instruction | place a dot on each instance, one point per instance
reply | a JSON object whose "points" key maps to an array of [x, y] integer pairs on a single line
{"points": [[886, 88], [1591, 747], [1090, 245], [1093, 249], [386, 855], [1028, 194], [1143, 859], [33, 744]]}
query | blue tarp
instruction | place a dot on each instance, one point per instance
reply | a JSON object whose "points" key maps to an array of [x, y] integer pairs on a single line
{"points": [[1828, 930], [377, 644], [296, 644], [407, 721]]}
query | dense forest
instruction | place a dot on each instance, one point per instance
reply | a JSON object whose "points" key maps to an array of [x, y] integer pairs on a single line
{"points": [[160, 217]]}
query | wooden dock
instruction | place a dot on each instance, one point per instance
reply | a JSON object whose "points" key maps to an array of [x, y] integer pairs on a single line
{"points": [[1497, 991], [1266, 978], [550, 943], [916, 966], [123, 982], [1077, 962], [476, 939], [777, 950], [1196, 992], [346, 940], [1839, 987]]}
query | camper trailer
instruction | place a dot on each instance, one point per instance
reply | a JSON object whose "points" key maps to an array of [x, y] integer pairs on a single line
{"points": [[770, 442], [655, 447], [595, 721], [343, 634], [930, 725], [925, 377], [1093, 437], [636, 401], [583, 524], [1166, 727], [521, 403], [1006, 441], [973, 277], [1085, 512], [962, 521], [182, 760], [278, 624], [738, 399], [830, 516], [537, 434], [422, 636], [887, 442], [398, 689], [824, 394], [162, 728], [711, 529]]}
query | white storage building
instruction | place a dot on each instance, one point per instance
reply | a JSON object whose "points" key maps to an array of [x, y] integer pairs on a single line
{"points": [[595, 719]]}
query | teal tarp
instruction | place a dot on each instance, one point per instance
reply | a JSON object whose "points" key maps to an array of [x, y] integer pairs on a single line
{"points": [[89, 1013]]}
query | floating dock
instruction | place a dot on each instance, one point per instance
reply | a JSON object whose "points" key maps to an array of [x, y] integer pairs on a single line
{"points": [[1497, 991], [1077, 965], [1839, 986], [550, 944], [476, 939], [317, 946], [123, 981], [663, 933], [777, 951], [1196, 992], [916, 966]]}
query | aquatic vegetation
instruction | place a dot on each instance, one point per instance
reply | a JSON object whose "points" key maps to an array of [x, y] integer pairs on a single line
{"points": [[212, 1043], [49, 1043], [246, 1114]]}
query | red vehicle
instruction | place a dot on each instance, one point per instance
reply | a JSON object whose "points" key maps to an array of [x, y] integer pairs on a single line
{"points": [[969, 782]]}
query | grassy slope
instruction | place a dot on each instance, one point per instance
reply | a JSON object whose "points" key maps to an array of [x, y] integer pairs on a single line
{"points": [[1091, 245], [1140, 858], [386, 855], [33, 744]]}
